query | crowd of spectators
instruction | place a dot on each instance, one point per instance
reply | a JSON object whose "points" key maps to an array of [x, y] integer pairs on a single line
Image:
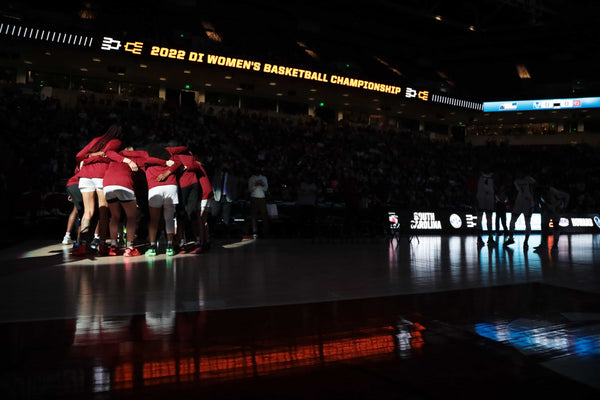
{"points": [[359, 168]]}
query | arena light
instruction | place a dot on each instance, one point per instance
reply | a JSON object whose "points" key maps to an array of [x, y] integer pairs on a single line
{"points": [[523, 72], [87, 12], [211, 33], [312, 53], [383, 62]]}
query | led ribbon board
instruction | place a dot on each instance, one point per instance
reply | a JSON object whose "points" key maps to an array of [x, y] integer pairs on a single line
{"points": [[540, 105], [46, 35], [450, 101], [140, 48]]}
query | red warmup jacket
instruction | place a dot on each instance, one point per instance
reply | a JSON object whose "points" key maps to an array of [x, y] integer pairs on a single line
{"points": [[118, 172], [154, 167], [74, 180], [187, 175], [194, 171], [95, 167], [207, 192]]}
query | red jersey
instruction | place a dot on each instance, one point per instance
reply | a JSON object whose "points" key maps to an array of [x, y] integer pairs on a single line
{"points": [[192, 166], [154, 167], [95, 167], [194, 171], [186, 176], [118, 172], [207, 192], [74, 180]]}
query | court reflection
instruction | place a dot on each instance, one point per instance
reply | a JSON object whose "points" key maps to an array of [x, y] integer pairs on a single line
{"points": [[545, 339], [457, 261], [132, 353]]}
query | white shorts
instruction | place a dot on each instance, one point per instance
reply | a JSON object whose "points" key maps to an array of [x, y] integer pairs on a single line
{"points": [[162, 195], [90, 184], [116, 192], [205, 204]]}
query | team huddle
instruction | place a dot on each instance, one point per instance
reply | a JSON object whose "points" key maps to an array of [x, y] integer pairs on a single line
{"points": [[152, 186]]}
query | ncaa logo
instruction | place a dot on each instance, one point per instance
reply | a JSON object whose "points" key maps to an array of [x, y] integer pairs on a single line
{"points": [[597, 221], [456, 221]]}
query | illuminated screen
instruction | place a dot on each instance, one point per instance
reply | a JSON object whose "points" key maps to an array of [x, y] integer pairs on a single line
{"points": [[455, 221], [539, 105], [199, 56]]}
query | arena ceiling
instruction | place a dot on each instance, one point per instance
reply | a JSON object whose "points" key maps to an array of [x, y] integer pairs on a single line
{"points": [[466, 49], [472, 49]]}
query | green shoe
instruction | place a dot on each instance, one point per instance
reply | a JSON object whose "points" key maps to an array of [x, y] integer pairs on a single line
{"points": [[151, 252], [170, 251]]}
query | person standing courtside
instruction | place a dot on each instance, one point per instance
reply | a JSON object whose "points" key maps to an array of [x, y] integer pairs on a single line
{"points": [[485, 204], [226, 190], [501, 196], [554, 202], [258, 186], [524, 204]]}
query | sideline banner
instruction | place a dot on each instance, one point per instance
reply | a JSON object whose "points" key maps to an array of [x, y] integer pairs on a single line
{"points": [[457, 221]]}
